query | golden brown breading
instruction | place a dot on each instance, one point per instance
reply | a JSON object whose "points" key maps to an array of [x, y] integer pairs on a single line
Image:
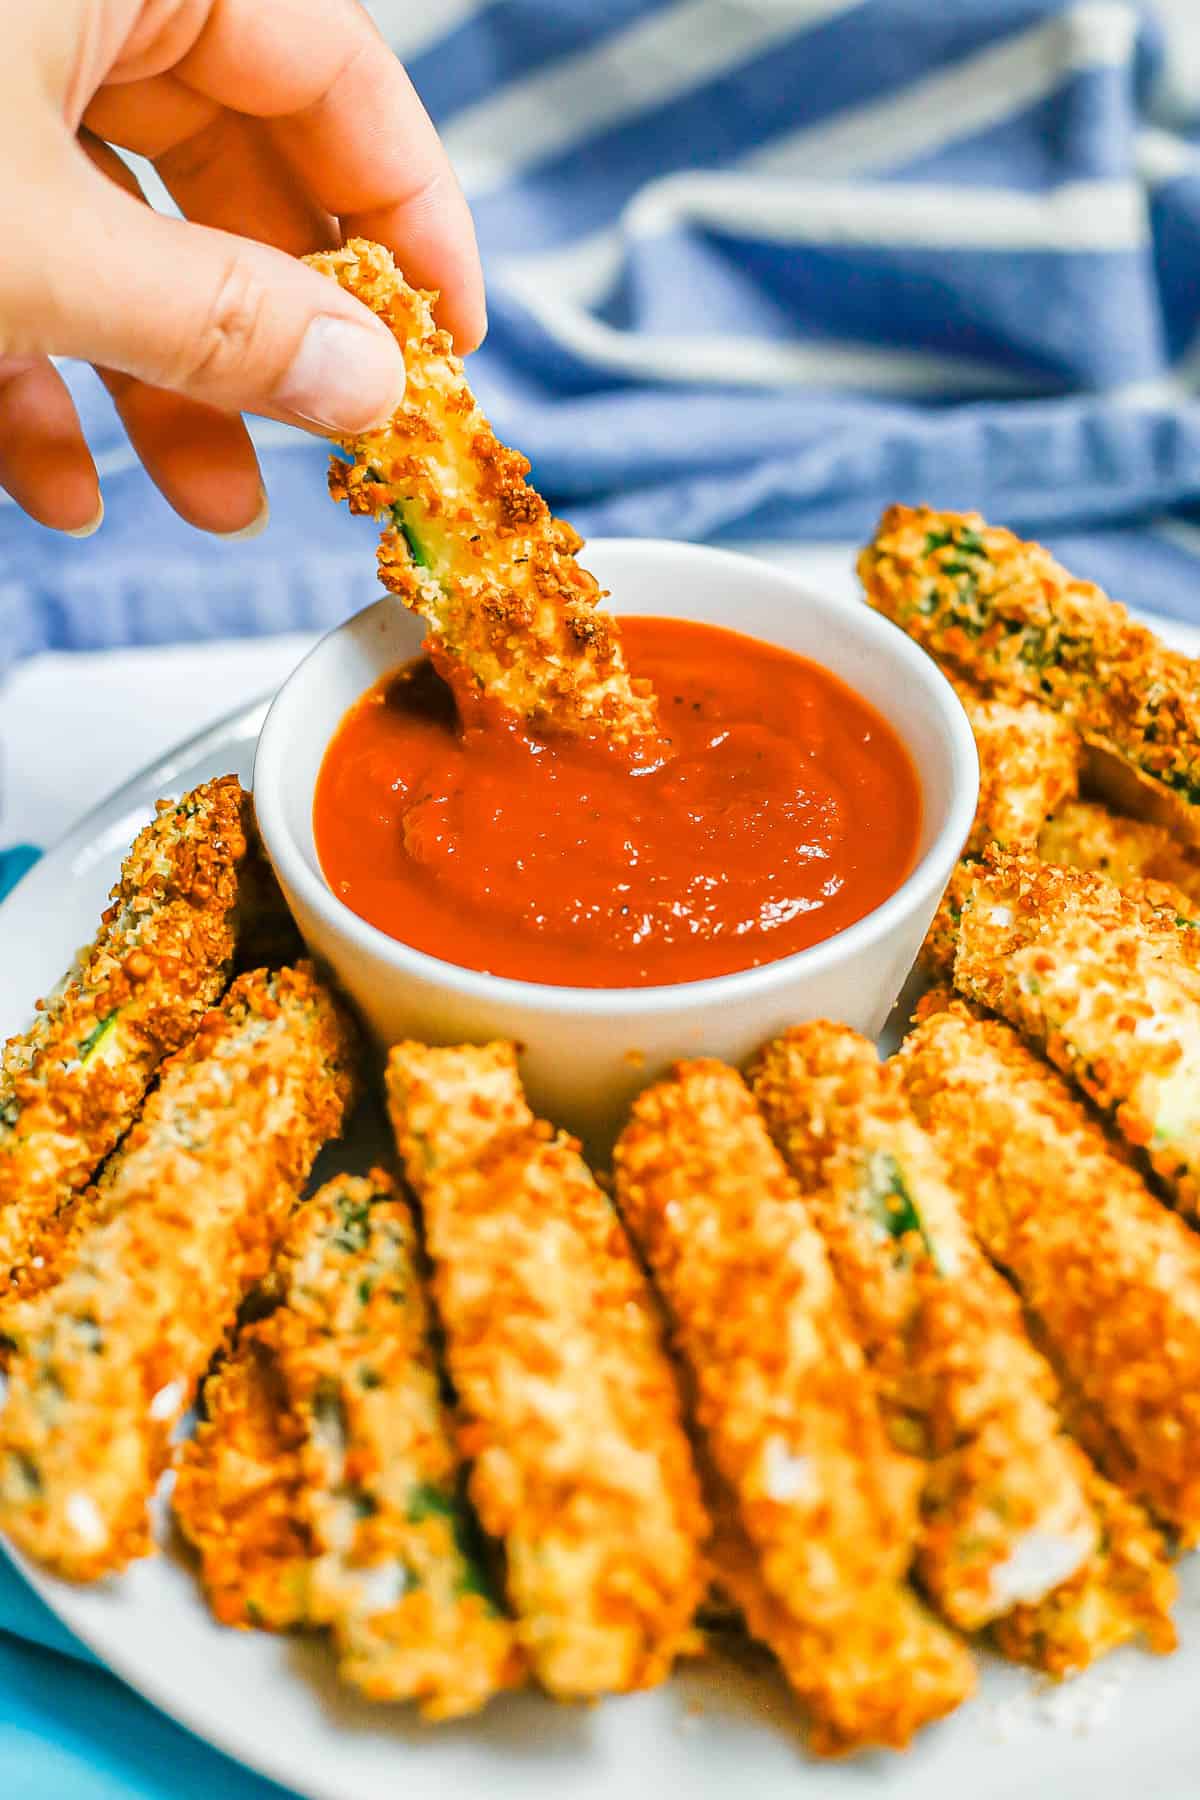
{"points": [[1160, 877], [579, 1463], [183, 1224], [396, 1576], [1112, 1276], [781, 1393], [469, 544], [1004, 1513], [322, 1490], [1112, 1000], [237, 1495], [71, 1086], [1084, 834], [815, 1510], [872, 1678], [1028, 768], [1003, 613], [1124, 1592]]}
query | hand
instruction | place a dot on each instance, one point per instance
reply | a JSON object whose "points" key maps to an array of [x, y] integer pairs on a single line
{"points": [[277, 126]]}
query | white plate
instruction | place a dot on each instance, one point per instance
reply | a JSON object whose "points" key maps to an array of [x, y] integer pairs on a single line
{"points": [[1130, 1726]]}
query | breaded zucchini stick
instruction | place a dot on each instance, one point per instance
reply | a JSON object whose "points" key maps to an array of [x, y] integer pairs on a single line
{"points": [[396, 1574], [469, 544], [1124, 1592], [185, 1221], [1111, 999], [71, 1085], [1028, 768], [1084, 834], [580, 1467], [1004, 614], [237, 1495], [823, 1507], [1004, 1515], [871, 1678], [1112, 1276]]}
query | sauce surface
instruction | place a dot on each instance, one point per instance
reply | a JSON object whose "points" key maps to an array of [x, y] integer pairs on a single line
{"points": [[784, 809]]}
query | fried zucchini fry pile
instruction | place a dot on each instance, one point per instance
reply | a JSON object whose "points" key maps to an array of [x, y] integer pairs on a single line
{"points": [[69, 1088], [579, 1467], [921, 1319], [1005, 1517], [1004, 614], [1112, 1276], [469, 544], [816, 1511], [184, 1221], [379, 1548]]}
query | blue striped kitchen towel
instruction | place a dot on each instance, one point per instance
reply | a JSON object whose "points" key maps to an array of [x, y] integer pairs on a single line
{"points": [[756, 268]]}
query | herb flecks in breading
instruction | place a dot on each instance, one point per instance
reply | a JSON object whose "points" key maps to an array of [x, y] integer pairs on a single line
{"points": [[470, 545]]}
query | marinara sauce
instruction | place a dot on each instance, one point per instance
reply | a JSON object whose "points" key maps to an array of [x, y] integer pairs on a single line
{"points": [[783, 808]]}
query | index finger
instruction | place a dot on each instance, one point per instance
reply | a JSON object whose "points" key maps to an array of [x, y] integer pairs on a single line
{"points": [[348, 119]]}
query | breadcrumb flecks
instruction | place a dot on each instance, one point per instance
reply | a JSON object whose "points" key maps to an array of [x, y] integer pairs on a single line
{"points": [[1004, 1514], [71, 1085], [1111, 1275], [579, 1464], [815, 1510], [1028, 768], [1110, 996], [382, 1550], [469, 544], [184, 1222], [1005, 614]]}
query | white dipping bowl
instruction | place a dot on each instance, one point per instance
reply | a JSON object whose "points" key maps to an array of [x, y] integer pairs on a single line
{"points": [[587, 1051]]}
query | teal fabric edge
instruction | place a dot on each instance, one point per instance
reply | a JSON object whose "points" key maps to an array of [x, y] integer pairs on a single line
{"points": [[15, 862]]}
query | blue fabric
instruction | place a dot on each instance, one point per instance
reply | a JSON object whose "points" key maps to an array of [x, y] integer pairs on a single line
{"points": [[756, 268], [70, 1732], [13, 864], [944, 348]]}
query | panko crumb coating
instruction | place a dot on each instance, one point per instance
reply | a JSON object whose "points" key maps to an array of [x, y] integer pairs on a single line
{"points": [[398, 1576], [70, 1086], [1005, 614], [1112, 1275], [1086, 834], [1028, 768], [184, 1223], [1112, 1000], [579, 1464], [1005, 1517], [237, 1495], [1123, 1594], [382, 1544], [872, 1678], [817, 1512], [469, 544]]}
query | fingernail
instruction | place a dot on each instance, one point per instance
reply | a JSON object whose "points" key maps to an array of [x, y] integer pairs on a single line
{"points": [[255, 528], [92, 526], [344, 377]]}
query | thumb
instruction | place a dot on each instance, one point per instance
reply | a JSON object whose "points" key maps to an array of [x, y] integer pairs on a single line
{"points": [[223, 319]]}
